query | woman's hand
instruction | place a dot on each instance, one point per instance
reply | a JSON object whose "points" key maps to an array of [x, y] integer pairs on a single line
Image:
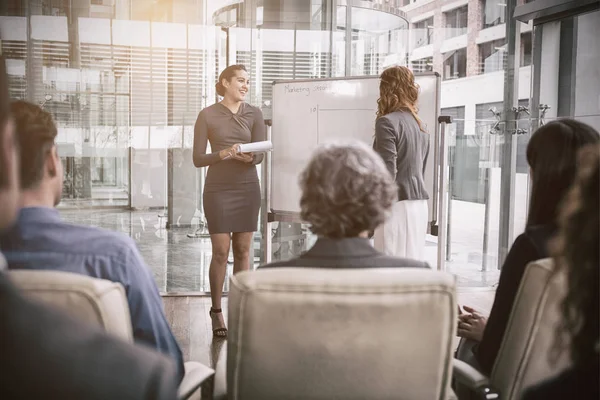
{"points": [[471, 326], [229, 152], [244, 157]]}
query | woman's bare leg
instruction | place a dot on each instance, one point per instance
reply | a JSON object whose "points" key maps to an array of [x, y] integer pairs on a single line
{"points": [[242, 247], [216, 274]]}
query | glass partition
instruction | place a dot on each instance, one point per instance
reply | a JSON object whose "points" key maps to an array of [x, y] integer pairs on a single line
{"points": [[125, 83]]}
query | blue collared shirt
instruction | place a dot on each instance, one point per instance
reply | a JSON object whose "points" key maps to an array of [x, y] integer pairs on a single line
{"points": [[41, 240]]}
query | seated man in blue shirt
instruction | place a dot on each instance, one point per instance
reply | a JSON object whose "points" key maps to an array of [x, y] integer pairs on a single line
{"points": [[41, 240]]}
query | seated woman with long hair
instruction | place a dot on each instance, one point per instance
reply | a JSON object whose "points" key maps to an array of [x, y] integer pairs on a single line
{"points": [[578, 254], [552, 157]]}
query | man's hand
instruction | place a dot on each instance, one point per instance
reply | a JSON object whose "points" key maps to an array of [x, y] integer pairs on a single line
{"points": [[472, 325]]}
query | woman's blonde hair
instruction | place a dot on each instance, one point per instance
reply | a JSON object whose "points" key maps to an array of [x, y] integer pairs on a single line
{"points": [[398, 92]]}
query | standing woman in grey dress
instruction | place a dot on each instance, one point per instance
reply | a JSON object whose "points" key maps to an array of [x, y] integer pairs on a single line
{"points": [[403, 143], [231, 192]]}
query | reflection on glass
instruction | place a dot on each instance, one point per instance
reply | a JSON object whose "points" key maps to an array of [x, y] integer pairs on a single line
{"points": [[474, 194], [290, 240]]}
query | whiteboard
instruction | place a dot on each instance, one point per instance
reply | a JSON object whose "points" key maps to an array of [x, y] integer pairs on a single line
{"points": [[310, 112]]}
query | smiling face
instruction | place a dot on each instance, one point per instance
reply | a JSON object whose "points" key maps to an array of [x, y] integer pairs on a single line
{"points": [[237, 87]]}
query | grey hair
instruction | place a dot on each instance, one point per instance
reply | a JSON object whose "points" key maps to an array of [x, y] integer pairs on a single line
{"points": [[346, 190]]}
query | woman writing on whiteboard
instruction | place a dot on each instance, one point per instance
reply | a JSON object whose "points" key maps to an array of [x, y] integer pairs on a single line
{"points": [[231, 193], [401, 140]]}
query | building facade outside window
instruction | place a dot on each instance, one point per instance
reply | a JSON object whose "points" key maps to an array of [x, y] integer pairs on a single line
{"points": [[493, 13], [455, 64], [422, 65], [456, 22], [422, 33], [492, 56], [526, 49]]}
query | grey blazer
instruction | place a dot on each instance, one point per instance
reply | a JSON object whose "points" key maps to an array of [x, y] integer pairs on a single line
{"points": [[404, 149], [346, 253]]}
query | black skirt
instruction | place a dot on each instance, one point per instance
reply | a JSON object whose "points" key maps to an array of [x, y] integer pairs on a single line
{"points": [[232, 208]]}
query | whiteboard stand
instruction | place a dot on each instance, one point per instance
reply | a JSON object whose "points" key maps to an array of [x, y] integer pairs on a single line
{"points": [[439, 226]]}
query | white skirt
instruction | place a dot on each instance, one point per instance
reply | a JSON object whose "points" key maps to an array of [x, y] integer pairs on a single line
{"points": [[403, 234]]}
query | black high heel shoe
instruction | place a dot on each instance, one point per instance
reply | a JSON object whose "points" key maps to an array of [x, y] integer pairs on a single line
{"points": [[218, 332]]}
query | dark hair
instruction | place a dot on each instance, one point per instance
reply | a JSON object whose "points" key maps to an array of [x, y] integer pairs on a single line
{"points": [[4, 112], [552, 156], [35, 131], [576, 251], [227, 74]]}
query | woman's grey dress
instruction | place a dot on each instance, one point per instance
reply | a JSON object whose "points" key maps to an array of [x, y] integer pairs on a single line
{"points": [[231, 192]]}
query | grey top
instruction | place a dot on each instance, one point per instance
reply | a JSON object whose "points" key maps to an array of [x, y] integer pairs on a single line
{"points": [[223, 129], [404, 149]]}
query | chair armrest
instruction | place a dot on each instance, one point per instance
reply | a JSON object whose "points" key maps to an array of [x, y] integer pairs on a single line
{"points": [[195, 375], [474, 380]]}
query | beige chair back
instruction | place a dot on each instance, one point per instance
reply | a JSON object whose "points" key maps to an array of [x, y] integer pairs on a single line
{"points": [[316, 333], [523, 356], [96, 301]]}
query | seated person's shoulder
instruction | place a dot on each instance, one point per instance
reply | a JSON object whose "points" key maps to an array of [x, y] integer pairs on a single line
{"points": [[400, 262], [100, 241], [275, 264]]}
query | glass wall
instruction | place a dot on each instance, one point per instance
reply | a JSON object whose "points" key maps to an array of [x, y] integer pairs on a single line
{"points": [[125, 80]]}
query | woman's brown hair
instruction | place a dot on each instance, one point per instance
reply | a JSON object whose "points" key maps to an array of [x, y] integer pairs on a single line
{"points": [[398, 92], [576, 251]]}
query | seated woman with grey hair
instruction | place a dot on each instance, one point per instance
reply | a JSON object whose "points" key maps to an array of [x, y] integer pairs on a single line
{"points": [[347, 192]]}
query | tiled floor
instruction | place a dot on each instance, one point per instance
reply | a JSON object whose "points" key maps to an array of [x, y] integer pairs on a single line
{"points": [[180, 264]]}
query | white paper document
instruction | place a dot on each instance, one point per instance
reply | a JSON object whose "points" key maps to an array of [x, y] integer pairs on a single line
{"points": [[256, 147]]}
